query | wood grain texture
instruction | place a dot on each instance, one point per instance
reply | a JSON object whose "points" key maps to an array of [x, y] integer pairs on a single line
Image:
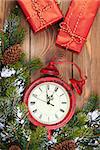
{"points": [[89, 62], [2, 12], [42, 45]]}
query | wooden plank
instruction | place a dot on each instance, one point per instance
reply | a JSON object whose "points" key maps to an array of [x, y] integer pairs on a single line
{"points": [[26, 42], [89, 62], [95, 56], [2, 12], [40, 47], [9, 4], [5, 7], [43, 46]]}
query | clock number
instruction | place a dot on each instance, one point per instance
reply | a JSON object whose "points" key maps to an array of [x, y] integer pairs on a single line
{"points": [[62, 110], [34, 111], [61, 94], [56, 116], [56, 89], [64, 102], [32, 103], [40, 89], [48, 87], [48, 118], [35, 95], [40, 116]]}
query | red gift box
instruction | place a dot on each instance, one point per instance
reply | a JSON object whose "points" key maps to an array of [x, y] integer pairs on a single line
{"points": [[78, 20], [40, 13]]}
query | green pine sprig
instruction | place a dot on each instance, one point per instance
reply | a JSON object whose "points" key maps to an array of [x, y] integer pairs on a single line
{"points": [[92, 104], [37, 137], [78, 126], [13, 32]]}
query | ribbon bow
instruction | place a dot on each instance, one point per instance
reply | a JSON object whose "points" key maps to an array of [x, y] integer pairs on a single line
{"points": [[74, 37]]}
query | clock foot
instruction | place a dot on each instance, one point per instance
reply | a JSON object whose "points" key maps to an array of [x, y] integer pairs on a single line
{"points": [[49, 134]]}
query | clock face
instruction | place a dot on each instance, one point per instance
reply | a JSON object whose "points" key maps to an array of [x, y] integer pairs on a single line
{"points": [[48, 103]]}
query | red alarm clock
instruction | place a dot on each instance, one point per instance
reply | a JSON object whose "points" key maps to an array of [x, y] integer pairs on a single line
{"points": [[51, 101]]}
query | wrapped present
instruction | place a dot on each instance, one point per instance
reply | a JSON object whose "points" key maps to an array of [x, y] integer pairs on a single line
{"points": [[77, 23], [40, 13]]}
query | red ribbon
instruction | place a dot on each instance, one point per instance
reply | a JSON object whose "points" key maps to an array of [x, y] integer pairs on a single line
{"points": [[74, 37], [38, 11]]}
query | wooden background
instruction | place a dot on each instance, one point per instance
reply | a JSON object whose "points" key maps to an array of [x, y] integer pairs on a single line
{"points": [[42, 45]]}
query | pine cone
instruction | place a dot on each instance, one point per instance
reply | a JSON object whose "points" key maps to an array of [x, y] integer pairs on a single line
{"points": [[66, 145], [14, 147], [12, 54]]}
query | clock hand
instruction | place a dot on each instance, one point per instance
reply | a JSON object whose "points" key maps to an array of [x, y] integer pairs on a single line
{"points": [[51, 97], [51, 104], [38, 98], [48, 97], [41, 99], [55, 90], [47, 93], [48, 102]]}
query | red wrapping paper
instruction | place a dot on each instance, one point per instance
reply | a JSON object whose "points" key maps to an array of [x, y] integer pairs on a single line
{"points": [[40, 13], [77, 23]]}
